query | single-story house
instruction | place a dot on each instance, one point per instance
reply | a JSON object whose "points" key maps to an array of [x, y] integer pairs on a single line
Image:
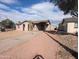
{"points": [[69, 25], [34, 26]]}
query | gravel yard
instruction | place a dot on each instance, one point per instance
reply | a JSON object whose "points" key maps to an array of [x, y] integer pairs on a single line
{"points": [[68, 46], [71, 42]]}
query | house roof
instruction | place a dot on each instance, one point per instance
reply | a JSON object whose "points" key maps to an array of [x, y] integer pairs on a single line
{"points": [[72, 19], [40, 21], [33, 22], [19, 23]]}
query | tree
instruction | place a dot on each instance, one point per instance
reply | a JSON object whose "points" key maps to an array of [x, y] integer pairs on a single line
{"points": [[68, 6], [8, 23]]}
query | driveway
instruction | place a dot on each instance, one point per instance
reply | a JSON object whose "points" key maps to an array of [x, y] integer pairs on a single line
{"points": [[12, 39], [40, 44]]}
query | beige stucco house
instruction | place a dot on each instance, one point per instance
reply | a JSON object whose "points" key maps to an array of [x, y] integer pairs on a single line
{"points": [[34, 26], [21, 26], [69, 25]]}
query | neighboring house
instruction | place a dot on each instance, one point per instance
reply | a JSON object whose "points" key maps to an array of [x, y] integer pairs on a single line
{"points": [[69, 25], [34, 26]]}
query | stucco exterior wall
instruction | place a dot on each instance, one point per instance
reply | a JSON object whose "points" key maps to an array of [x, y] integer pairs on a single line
{"points": [[17, 27], [35, 28], [71, 28], [26, 26], [29, 27], [21, 27], [50, 27]]}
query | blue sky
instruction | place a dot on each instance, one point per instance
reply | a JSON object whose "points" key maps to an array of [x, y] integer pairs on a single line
{"points": [[20, 10]]}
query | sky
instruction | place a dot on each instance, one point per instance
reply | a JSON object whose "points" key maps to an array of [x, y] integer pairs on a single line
{"points": [[20, 10]]}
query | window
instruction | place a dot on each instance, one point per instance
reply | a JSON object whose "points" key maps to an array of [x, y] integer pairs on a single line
{"points": [[76, 25]]}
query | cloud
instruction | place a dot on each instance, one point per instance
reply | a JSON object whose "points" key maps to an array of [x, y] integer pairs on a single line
{"points": [[46, 10], [43, 6], [4, 7], [9, 1], [7, 12], [13, 15], [41, 11]]}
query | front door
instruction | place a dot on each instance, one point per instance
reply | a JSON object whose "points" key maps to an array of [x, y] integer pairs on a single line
{"points": [[23, 27]]}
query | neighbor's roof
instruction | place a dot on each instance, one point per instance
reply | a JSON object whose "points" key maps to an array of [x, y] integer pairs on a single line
{"points": [[72, 19]]}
